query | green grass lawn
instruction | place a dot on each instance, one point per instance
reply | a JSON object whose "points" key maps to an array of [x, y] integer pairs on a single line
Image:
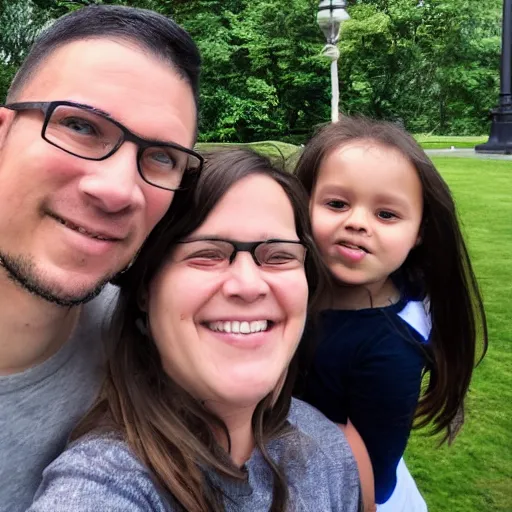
{"points": [[447, 141], [475, 473]]}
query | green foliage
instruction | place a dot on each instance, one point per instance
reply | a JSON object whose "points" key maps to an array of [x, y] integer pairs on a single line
{"points": [[431, 65], [262, 76]]}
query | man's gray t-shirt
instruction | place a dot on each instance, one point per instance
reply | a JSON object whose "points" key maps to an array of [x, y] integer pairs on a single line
{"points": [[40, 406], [99, 472]]}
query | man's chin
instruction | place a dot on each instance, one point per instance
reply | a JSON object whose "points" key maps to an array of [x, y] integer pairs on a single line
{"points": [[65, 298], [71, 293]]}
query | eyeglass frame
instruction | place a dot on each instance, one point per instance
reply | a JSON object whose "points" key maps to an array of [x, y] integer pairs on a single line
{"points": [[48, 107], [249, 247]]}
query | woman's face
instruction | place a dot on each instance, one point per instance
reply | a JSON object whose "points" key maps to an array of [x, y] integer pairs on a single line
{"points": [[198, 301]]}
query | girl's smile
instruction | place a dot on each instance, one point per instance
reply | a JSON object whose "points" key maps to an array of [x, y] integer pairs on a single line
{"points": [[350, 252]]}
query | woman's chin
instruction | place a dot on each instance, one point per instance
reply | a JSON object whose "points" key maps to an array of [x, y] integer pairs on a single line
{"points": [[243, 395]]}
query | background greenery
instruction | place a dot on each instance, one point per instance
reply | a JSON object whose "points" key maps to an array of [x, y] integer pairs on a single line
{"points": [[432, 65]]}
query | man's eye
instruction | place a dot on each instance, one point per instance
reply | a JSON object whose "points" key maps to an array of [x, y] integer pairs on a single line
{"points": [[162, 158], [80, 126], [385, 215], [336, 204]]}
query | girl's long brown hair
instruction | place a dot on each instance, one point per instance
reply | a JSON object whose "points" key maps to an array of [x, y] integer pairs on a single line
{"points": [[440, 266], [166, 428]]}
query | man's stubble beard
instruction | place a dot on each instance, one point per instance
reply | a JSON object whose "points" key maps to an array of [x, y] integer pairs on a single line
{"points": [[22, 271]]}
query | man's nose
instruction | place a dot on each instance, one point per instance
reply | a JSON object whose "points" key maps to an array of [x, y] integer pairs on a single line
{"points": [[114, 184]]}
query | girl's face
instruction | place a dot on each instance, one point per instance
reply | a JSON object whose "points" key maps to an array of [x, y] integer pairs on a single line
{"points": [[366, 210], [227, 332]]}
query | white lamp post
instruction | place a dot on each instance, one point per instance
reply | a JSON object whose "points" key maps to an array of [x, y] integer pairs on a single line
{"points": [[331, 14]]}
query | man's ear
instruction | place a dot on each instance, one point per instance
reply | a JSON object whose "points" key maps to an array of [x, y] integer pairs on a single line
{"points": [[6, 120]]}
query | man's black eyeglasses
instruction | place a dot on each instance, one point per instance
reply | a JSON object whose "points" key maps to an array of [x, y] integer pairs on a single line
{"points": [[86, 132]]}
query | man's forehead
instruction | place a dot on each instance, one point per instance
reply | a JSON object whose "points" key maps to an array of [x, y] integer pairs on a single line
{"points": [[130, 84], [72, 60]]}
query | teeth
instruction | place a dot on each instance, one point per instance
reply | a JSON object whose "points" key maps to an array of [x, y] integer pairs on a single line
{"points": [[237, 327], [81, 230], [351, 246]]}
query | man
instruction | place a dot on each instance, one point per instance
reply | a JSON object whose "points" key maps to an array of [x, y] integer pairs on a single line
{"points": [[95, 136]]}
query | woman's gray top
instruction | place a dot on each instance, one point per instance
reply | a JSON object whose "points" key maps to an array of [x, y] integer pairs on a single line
{"points": [[101, 474]]}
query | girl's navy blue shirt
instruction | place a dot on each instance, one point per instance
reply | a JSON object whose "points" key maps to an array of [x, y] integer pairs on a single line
{"points": [[368, 368]]}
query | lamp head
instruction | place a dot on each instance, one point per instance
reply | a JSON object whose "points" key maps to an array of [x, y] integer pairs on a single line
{"points": [[331, 14]]}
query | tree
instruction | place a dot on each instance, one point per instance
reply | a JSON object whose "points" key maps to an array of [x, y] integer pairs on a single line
{"points": [[429, 64]]}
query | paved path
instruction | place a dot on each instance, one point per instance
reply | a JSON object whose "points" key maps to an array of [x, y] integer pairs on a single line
{"points": [[467, 153]]}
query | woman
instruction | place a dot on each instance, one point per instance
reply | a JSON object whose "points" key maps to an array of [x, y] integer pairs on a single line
{"points": [[196, 413]]}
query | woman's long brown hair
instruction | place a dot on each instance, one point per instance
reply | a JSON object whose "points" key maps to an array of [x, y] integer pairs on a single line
{"points": [[166, 428], [440, 266]]}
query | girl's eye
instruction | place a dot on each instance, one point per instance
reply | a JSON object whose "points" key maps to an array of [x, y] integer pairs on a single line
{"points": [[385, 215], [336, 204]]}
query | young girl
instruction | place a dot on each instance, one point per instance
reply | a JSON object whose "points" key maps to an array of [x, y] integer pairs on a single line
{"points": [[405, 300]]}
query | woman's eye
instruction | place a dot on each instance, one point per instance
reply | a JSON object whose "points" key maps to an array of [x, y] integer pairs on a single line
{"points": [[207, 258], [336, 204], [279, 259], [208, 255], [80, 126], [385, 215]]}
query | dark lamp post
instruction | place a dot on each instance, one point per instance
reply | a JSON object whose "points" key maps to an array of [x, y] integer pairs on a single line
{"points": [[500, 138]]}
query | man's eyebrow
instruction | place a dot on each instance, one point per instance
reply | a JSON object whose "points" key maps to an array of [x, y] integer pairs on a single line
{"points": [[106, 114], [97, 110]]}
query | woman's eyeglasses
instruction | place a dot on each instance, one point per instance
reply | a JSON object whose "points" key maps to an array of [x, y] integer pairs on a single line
{"points": [[220, 253]]}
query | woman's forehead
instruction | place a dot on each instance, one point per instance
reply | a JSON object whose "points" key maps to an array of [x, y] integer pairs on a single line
{"points": [[254, 208]]}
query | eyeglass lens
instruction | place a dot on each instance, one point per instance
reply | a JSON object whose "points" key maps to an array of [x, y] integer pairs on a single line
{"points": [[90, 135]]}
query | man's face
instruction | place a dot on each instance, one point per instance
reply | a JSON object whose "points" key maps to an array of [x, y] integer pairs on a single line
{"points": [[52, 204]]}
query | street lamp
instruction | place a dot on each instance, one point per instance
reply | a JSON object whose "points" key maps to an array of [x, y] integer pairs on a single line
{"points": [[500, 138], [331, 14]]}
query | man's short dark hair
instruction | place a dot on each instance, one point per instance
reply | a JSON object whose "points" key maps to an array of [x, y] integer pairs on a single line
{"points": [[149, 30]]}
